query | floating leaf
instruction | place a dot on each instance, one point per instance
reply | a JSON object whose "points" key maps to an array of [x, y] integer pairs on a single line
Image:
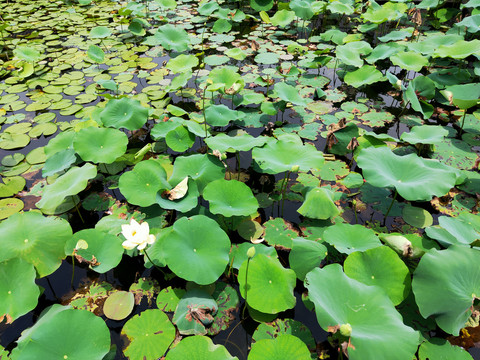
{"points": [[194, 312], [118, 305], [198, 348], [10, 206], [284, 346]]}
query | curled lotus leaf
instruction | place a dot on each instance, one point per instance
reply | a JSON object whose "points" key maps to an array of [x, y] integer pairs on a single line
{"points": [[319, 204]]}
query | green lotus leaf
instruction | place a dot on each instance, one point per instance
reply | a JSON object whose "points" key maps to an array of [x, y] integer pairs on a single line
{"points": [[377, 329], [167, 4], [238, 254], [100, 250], [458, 50], [222, 26], [417, 217], [70, 183], [243, 142], [194, 311], [285, 153], [410, 95], [118, 305], [464, 96], [124, 113], [289, 93], [382, 51], [150, 334], [339, 7], [471, 23], [11, 185], [100, 145], [100, 32], [201, 168], [445, 284], [55, 334], [226, 77], [170, 37], [350, 53], [269, 286], [236, 53], [182, 63], [268, 58], [183, 204], [453, 230], [302, 8], [366, 75], [10, 206], [230, 198], [27, 53], [283, 18], [409, 60], [220, 115], [413, 177], [141, 185], [305, 256], [278, 232], [227, 301], [36, 239], [59, 161], [348, 238], [319, 204], [381, 267], [284, 346], [96, 54], [199, 348], [180, 139], [197, 249], [17, 288], [62, 141], [261, 5], [425, 134], [388, 12], [168, 298], [437, 348], [345, 135]]}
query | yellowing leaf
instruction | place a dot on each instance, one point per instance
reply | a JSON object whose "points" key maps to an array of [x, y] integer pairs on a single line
{"points": [[178, 191]]}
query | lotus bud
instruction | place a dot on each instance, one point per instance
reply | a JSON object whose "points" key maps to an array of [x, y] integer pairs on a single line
{"points": [[295, 168], [251, 252], [346, 329]]}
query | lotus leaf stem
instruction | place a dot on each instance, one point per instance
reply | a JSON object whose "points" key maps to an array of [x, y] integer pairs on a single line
{"points": [[284, 188], [390, 207]]}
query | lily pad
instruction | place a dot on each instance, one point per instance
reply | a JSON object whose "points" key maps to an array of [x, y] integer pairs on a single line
{"points": [[284, 346], [10, 206], [194, 312], [118, 305]]}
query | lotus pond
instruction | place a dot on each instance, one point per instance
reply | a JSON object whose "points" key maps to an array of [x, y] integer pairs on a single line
{"points": [[239, 179]]}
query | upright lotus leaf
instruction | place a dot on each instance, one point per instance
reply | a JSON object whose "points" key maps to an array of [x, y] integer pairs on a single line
{"points": [[201, 168], [180, 139], [95, 53], [124, 113], [283, 18], [381, 267], [18, 290], [366, 75], [286, 153], [453, 230], [100, 32], [413, 177], [269, 286], [220, 115], [70, 183], [464, 96], [458, 50], [141, 185], [36, 239], [197, 249], [100, 250], [305, 256], [302, 8], [180, 203], [199, 348], [425, 134], [289, 93], [445, 285], [56, 335], [182, 63], [319, 204], [170, 37], [348, 238], [230, 198], [261, 5], [350, 53], [225, 77], [284, 346], [100, 145], [410, 95], [194, 312], [150, 334], [387, 12], [243, 142], [377, 330], [409, 60], [437, 348]]}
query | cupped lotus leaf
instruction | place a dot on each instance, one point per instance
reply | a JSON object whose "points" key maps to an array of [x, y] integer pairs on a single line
{"points": [[17, 288], [37, 239], [141, 185], [100, 250], [226, 77], [289, 93], [302, 8], [62, 141], [194, 311], [230, 198], [243, 142], [286, 153], [366, 75], [118, 305], [199, 348], [150, 334], [445, 284], [100, 32], [201, 168], [350, 53], [27, 53], [377, 329], [413, 177], [380, 267], [409, 60], [95, 53], [100, 145], [319, 204], [348, 238], [425, 134], [70, 183], [197, 249], [269, 286], [458, 50], [220, 115], [56, 335], [441, 349], [464, 96], [182, 204], [261, 5], [305, 256], [182, 63], [284, 346], [282, 18], [124, 113]]}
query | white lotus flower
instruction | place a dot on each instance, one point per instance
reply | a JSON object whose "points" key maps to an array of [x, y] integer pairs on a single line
{"points": [[137, 235]]}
